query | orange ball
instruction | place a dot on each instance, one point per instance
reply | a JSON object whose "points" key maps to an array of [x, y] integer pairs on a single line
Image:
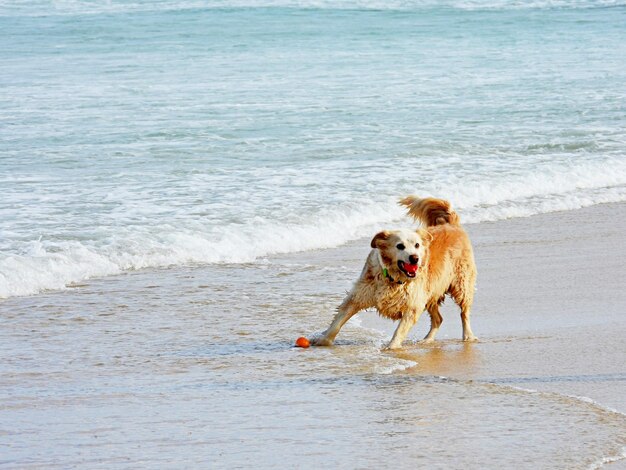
{"points": [[302, 342]]}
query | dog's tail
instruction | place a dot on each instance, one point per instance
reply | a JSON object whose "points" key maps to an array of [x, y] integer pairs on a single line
{"points": [[430, 211]]}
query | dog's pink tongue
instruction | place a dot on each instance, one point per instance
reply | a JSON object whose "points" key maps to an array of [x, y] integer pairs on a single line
{"points": [[410, 268]]}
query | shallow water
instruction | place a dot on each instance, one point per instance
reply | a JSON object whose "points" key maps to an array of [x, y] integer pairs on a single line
{"points": [[195, 366]]}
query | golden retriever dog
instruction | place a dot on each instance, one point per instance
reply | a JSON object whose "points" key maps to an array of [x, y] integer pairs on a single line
{"points": [[409, 271]]}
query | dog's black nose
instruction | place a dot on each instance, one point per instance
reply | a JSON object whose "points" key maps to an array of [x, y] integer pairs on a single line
{"points": [[413, 259]]}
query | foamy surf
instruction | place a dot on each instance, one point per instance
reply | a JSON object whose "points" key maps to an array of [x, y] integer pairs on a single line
{"points": [[607, 460], [46, 264], [397, 365]]}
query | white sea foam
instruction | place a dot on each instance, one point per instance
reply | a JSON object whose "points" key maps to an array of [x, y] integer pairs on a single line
{"points": [[41, 269], [610, 459], [47, 264], [596, 404], [397, 365], [586, 400]]}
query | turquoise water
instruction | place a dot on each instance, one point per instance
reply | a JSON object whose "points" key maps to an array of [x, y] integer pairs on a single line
{"points": [[152, 134]]}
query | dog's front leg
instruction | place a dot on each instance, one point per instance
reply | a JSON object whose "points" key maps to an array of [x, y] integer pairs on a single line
{"points": [[406, 323], [346, 310]]}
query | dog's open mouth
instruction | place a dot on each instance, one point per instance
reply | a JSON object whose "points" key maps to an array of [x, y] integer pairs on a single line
{"points": [[407, 268]]}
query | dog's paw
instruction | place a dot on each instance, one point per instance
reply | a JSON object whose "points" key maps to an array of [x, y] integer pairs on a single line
{"points": [[470, 339], [321, 341]]}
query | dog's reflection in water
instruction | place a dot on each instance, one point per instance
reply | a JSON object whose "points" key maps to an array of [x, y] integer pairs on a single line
{"points": [[453, 358]]}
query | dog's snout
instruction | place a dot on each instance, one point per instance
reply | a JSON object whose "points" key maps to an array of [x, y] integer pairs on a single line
{"points": [[413, 259]]}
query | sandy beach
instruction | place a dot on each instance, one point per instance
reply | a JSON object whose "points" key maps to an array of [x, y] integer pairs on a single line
{"points": [[194, 367]]}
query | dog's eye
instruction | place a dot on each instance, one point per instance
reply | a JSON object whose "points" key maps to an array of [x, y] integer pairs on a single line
{"points": [[417, 245], [400, 246]]}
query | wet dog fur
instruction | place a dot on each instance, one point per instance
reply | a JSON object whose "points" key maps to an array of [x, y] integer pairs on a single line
{"points": [[409, 271]]}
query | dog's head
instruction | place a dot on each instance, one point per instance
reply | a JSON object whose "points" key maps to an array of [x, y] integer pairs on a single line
{"points": [[402, 251]]}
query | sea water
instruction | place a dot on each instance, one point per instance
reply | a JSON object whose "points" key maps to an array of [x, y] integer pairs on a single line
{"points": [[153, 134]]}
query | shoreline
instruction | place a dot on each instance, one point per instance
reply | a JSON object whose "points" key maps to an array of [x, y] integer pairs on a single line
{"points": [[571, 241], [27, 291], [529, 269]]}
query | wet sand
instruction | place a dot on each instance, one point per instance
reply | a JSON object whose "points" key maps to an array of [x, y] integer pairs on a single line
{"points": [[550, 306], [193, 366]]}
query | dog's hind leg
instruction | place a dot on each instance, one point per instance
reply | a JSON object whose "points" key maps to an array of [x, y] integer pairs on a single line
{"points": [[467, 329], [346, 310], [464, 297], [406, 323], [435, 320]]}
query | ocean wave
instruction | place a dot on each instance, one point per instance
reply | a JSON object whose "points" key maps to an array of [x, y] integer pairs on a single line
{"points": [[48, 264], [145, 239]]}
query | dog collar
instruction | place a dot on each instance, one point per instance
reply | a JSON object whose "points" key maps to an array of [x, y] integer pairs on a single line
{"points": [[385, 270], [386, 274]]}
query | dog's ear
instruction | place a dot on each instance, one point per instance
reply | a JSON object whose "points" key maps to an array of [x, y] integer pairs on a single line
{"points": [[426, 236], [379, 238]]}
